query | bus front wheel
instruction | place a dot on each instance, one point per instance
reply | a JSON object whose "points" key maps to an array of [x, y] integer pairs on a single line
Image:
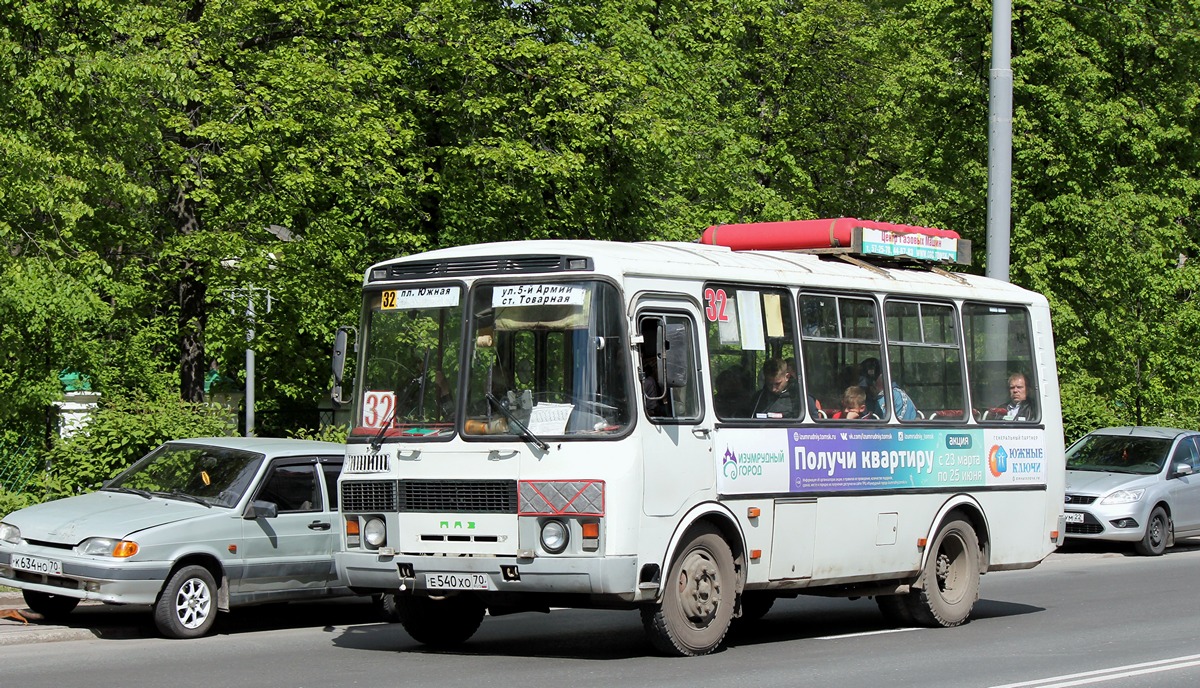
{"points": [[439, 622], [698, 598], [951, 578]]}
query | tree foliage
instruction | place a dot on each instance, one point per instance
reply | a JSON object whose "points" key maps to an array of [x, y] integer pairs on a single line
{"points": [[162, 163]]}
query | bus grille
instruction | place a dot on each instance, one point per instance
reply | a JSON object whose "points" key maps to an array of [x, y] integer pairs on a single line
{"points": [[369, 495], [459, 496], [367, 463]]}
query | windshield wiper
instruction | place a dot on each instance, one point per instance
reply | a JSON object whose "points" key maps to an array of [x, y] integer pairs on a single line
{"points": [[525, 433], [377, 440], [128, 490], [184, 496]]}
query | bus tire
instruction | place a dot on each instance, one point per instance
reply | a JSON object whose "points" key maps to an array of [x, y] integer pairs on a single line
{"points": [[698, 598], [439, 622], [951, 578], [894, 609], [755, 605]]}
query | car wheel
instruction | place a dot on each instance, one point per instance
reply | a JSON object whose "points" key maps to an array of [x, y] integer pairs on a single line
{"points": [[185, 606], [1154, 542], [49, 605]]}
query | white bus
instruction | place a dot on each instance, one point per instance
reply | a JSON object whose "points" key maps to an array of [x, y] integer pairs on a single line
{"points": [[547, 424]]}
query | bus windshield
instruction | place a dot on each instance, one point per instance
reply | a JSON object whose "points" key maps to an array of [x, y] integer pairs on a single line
{"points": [[409, 378], [547, 359]]}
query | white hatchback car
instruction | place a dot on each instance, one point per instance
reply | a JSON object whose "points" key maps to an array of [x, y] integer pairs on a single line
{"points": [[1134, 484], [195, 526]]}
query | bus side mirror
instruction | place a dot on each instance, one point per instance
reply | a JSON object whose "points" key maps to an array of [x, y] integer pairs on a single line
{"points": [[340, 341], [676, 355]]}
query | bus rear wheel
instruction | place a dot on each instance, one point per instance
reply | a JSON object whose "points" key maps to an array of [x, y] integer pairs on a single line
{"points": [[698, 598], [439, 622], [951, 577]]}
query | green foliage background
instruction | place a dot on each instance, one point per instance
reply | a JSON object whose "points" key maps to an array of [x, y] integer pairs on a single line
{"points": [[146, 148]]}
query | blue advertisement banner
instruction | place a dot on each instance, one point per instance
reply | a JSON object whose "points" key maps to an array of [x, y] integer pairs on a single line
{"points": [[802, 460]]}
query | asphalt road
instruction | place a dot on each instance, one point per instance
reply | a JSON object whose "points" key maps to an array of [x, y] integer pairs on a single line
{"points": [[1086, 616]]}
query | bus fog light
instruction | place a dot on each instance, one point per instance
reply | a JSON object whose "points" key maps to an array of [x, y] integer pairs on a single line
{"points": [[374, 532], [554, 536]]}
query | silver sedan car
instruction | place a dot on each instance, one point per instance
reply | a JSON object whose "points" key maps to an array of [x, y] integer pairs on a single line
{"points": [[196, 526], [1134, 484]]}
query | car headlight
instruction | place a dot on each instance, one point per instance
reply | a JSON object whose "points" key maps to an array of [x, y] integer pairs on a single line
{"points": [[10, 533], [375, 532], [554, 536], [1123, 496], [107, 547]]}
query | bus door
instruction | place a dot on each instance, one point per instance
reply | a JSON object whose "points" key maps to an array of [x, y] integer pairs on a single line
{"points": [[676, 440]]}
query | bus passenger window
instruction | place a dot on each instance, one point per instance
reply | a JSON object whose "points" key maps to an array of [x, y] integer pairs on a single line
{"points": [[840, 338], [999, 353], [925, 359], [752, 353]]}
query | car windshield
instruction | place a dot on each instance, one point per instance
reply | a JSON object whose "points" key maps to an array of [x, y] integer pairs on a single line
{"points": [[1119, 454], [214, 476], [409, 382]]}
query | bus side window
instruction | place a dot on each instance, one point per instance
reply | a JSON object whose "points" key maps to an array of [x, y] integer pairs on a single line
{"points": [[925, 360], [669, 376], [998, 344]]}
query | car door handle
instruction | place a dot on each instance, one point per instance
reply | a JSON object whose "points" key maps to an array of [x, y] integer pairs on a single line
{"points": [[701, 433], [318, 525]]}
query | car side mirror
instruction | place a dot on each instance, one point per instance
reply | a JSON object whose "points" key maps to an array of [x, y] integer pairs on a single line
{"points": [[1183, 469], [260, 509]]}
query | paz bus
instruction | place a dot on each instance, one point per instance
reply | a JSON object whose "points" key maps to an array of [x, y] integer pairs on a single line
{"points": [[588, 424]]}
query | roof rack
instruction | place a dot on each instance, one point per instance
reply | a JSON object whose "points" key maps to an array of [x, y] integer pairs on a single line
{"points": [[846, 236]]}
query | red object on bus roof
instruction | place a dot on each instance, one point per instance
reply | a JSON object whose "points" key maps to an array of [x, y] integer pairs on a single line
{"points": [[802, 234]]}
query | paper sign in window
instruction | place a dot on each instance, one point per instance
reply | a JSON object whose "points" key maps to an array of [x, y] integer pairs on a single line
{"points": [[750, 324]]}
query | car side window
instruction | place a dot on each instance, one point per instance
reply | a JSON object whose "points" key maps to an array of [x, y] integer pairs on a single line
{"points": [[332, 471], [1186, 453], [292, 488]]}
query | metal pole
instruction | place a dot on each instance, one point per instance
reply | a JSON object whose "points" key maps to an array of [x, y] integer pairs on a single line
{"points": [[250, 363], [999, 200]]}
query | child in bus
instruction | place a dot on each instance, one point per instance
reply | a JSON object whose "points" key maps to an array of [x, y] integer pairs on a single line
{"points": [[854, 403]]}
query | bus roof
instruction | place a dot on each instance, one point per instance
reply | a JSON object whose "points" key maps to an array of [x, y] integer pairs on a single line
{"points": [[691, 261]]}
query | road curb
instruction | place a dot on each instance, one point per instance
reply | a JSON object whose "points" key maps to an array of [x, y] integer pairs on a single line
{"points": [[16, 633]]}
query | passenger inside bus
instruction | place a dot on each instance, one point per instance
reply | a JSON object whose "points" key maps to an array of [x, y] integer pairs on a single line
{"points": [[872, 378], [1019, 406], [854, 404], [777, 398], [733, 393]]}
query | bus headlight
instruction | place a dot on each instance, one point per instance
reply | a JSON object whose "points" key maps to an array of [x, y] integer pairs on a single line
{"points": [[554, 536], [375, 532]]}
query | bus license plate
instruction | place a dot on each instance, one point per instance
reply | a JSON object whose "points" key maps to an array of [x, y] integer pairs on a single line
{"points": [[37, 565], [1073, 517], [456, 581]]}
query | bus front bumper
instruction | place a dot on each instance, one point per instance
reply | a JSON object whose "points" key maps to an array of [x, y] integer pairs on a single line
{"points": [[610, 575]]}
